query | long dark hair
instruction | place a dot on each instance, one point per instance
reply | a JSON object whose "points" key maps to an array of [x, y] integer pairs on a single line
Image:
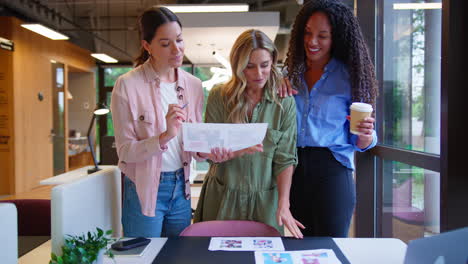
{"points": [[348, 45], [148, 23]]}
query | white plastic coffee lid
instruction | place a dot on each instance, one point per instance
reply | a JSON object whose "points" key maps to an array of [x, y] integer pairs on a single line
{"points": [[361, 107]]}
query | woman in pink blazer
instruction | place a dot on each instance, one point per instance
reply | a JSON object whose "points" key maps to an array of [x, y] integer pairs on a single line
{"points": [[149, 105]]}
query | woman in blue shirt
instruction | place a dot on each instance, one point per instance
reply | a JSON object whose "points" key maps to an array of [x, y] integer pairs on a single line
{"points": [[329, 67]]}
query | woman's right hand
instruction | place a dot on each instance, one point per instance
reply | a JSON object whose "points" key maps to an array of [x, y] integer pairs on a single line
{"points": [[285, 88], [174, 118]]}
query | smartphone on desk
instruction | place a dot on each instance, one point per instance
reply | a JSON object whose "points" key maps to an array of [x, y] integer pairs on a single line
{"points": [[131, 243]]}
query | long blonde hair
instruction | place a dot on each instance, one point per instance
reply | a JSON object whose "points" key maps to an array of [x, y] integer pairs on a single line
{"points": [[234, 91]]}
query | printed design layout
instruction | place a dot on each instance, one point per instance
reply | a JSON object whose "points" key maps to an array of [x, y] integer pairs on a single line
{"points": [[230, 243], [262, 243], [314, 258], [273, 258]]}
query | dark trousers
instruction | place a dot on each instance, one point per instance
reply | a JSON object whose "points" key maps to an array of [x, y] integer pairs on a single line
{"points": [[323, 193]]}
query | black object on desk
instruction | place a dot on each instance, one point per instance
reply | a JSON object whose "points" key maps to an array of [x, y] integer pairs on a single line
{"points": [[194, 250]]}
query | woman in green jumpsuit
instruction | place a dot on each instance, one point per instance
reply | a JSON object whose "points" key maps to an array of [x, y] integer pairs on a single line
{"points": [[254, 183]]}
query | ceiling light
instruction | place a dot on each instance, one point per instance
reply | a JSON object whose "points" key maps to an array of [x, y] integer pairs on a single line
{"points": [[222, 60], [406, 6], [45, 31], [208, 8], [104, 57]]}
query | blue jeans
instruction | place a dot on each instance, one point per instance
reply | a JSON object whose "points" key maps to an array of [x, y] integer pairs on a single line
{"points": [[173, 211]]}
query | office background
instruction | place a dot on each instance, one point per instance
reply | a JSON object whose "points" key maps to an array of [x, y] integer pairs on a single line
{"points": [[411, 185]]}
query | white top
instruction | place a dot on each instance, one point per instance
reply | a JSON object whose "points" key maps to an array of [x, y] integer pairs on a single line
{"points": [[172, 158]]}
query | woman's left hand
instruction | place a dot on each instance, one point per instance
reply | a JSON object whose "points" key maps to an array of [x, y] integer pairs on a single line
{"points": [[366, 129], [285, 88], [284, 216]]}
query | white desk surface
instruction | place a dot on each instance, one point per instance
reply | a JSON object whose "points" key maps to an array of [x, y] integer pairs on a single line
{"points": [[372, 250], [41, 254], [72, 175], [356, 250]]}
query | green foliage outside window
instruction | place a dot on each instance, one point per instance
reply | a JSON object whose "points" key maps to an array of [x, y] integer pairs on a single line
{"points": [[111, 74]]}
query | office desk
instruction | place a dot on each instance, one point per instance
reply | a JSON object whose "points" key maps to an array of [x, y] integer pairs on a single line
{"points": [[194, 250]]}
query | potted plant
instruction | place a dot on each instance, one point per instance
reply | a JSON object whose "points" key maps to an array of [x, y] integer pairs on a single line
{"points": [[84, 249]]}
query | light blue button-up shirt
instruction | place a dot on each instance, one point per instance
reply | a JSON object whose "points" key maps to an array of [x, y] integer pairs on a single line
{"points": [[321, 114]]}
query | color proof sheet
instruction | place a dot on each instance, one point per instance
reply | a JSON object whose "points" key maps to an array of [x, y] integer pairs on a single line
{"points": [[318, 256], [246, 243]]}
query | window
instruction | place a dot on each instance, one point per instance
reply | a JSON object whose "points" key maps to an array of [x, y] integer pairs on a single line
{"points": [[411, 201], [411, 77], [399, 180], [411, 118], [111, 74]]}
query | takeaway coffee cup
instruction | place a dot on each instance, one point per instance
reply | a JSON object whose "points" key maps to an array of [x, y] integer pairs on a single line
{"points": [[359, 111]]}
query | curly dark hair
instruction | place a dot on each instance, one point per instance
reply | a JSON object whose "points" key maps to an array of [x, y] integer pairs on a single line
{"points": [[348, 46]]}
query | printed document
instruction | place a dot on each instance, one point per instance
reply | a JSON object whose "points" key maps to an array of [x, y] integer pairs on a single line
{"points": [[202, 137], [245, 243], [318, 256]]}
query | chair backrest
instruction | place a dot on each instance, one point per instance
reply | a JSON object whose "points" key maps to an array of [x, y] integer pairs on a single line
{"points": [[8, 233], [230, 228], [33, 216], [82, 205]]}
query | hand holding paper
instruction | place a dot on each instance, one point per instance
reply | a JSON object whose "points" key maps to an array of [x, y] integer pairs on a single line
{"points": [[222, 154]]}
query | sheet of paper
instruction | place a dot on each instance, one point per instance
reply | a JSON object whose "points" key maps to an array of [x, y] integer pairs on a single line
{"points": [[202, 137], [246, 243], [318, 256]]}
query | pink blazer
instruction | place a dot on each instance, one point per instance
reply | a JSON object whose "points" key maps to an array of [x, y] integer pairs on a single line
{"points": [[138, 118]]}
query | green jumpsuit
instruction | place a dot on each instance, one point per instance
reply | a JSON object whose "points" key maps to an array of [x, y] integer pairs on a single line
{"points": [[245, 188]]}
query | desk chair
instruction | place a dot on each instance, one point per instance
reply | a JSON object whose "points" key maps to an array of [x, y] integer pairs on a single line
{"points": [[230, 228], [33, 223]]}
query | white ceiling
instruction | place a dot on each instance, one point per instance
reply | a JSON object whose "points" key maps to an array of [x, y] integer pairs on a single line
{"points": [[207, 32]]}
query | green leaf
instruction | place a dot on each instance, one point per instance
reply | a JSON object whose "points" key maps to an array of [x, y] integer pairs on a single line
{"points": [[83, 248], [82, 251]]}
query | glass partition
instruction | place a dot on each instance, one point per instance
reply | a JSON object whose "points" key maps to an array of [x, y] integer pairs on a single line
{"points": [[411, 201]]}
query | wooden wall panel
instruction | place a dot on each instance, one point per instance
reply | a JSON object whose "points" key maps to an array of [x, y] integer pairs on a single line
{"points": [[6, 118], [6, 122], [32, 75], [33, 118]]}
